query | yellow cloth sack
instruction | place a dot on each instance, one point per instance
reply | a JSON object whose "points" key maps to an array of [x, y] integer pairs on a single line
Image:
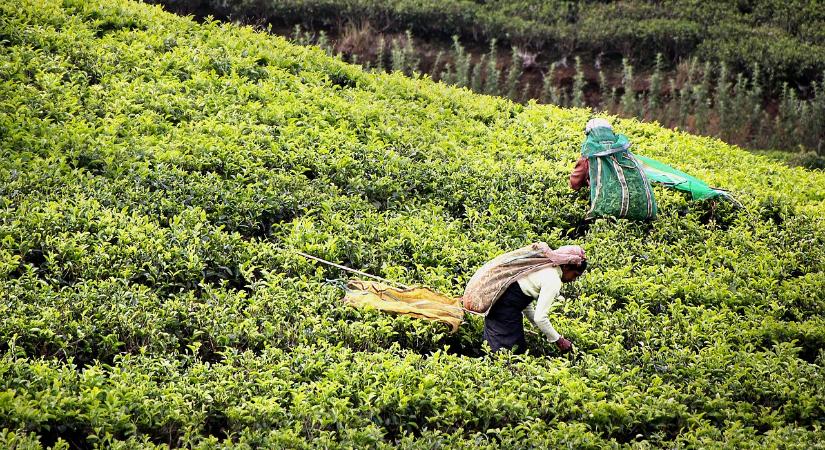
{"points": [[419, 302]]}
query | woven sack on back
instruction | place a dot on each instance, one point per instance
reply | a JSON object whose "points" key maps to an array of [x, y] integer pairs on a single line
{"points": [[492, 279]]}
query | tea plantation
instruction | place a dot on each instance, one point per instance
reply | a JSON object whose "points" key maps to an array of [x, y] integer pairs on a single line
{"points": [[157, 175]]}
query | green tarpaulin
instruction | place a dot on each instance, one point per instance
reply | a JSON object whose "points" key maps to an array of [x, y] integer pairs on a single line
{"points": [[659, 172]]}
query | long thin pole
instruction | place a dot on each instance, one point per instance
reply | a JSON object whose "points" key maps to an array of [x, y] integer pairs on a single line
{"points": [[324, 261]]}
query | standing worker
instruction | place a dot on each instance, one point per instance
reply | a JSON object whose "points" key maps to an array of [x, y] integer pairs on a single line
{"points": [[504, 289]]}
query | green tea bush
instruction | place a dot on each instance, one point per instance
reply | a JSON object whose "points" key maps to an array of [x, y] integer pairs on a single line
{"points": [[157, 176]]}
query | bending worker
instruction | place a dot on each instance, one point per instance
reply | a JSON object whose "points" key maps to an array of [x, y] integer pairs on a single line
{"points": [[504, 290], [618, 183]]}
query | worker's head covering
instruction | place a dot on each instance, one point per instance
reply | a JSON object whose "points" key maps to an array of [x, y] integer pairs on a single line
{"points": [[567, 254], [596, 123]]}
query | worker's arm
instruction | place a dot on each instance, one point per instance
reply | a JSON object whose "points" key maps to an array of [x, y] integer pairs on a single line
{"points": [[538, 314], [580, 177]]}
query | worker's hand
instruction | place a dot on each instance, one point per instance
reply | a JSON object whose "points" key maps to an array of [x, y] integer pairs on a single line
{"points": [[564, 345]]}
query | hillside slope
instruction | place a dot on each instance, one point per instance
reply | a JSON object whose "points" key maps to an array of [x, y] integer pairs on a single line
{"points": [[785, 38], [156, 175]]}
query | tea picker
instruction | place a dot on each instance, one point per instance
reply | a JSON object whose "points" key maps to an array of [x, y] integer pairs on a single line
{"points": [[502, 291], [620, 181]]}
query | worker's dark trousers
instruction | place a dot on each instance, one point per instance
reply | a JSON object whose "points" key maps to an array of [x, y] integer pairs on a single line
{"points": [[503, 326]]}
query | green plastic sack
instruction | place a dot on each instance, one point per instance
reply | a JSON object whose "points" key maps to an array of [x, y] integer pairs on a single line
{"points": [[619, 186], [658, 172]]}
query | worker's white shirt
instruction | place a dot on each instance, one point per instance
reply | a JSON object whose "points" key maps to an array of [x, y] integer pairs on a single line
{"points": [[544, 285]]}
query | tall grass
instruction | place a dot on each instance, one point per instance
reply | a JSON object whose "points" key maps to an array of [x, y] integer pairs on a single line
{"points": [[404, 56], [462, 64], [477, 82], [654, 96], [605, 93], [435, 72], [629, 104], [578, 85], [513, 75], [549, 89], [492, 72]]}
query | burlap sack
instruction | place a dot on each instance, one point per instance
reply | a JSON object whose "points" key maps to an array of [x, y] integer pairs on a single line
{"points": [[490, 282]]}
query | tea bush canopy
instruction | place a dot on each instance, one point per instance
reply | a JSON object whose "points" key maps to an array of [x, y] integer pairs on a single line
{"points": [[158, 174]]}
